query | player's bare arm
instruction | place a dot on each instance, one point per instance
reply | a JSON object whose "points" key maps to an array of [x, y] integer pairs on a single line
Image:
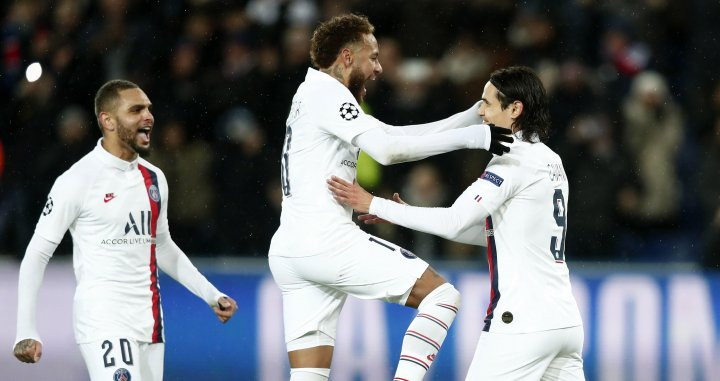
{"points": [[225, 309], [28, 351]]}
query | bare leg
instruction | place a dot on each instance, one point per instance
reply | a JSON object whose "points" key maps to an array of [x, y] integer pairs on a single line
{"points": [[315, 357], [311, 364], [429, 281]]}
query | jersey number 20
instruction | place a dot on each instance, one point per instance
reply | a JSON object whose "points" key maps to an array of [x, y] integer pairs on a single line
{"points": [[125, 352], [558, 248]]}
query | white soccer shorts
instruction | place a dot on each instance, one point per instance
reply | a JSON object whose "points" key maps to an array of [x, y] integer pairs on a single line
{"points": [[548, 355], [120, 359], [314, 288]]}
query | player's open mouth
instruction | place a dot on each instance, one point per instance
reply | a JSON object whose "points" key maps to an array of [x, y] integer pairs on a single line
{"points": [[144, 134]]}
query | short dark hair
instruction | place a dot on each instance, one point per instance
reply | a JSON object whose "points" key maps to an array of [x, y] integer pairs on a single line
{"points": [[333, 35], [520, 83], [108, 95]]}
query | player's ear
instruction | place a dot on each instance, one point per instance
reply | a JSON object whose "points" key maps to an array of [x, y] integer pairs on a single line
{"points": [[516, 109], [106, 121], [346, 56]]}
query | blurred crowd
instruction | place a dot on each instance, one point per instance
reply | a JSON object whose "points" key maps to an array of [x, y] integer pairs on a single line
{"points": [[635, 103]]}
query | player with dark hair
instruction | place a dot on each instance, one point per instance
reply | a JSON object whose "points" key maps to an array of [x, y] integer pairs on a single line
{"points": [[518, 208], [318, 256], [115, 205]]}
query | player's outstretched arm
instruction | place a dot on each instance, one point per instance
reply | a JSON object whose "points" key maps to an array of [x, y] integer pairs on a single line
{"points": [[28, 347], [225, 309], [391, 149], [173, 261], [462, 119], [450, 223], [28, 350]]}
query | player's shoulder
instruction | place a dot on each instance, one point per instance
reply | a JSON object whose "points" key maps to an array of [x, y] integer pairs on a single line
{"points": [[77, 179], [152, 167], [524, 158], [321, 89], [83, 170]]}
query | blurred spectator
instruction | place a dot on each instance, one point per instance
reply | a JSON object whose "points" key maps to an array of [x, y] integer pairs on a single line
{"points": [[573, 94], [466, 65], [424, 187], [75, 136], [596, 172], [200, 59], [652, 138], [533, 34], [246, 218], [709, 190], [187, 164], [121, 40]]}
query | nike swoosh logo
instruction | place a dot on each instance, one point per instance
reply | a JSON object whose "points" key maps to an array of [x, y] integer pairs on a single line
{"points": [[108, 198]]}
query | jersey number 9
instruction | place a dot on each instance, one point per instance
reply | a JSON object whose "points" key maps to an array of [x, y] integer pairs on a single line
{"points": [[557, 245], [285, 164]]}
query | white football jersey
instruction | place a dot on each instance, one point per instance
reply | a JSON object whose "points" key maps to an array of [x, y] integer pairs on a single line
{"points": [[324, 118], [114, 210], [521, 199], [525, 192]]}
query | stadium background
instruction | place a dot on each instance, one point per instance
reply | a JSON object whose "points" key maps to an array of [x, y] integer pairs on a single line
{"points": [[636, 116]]}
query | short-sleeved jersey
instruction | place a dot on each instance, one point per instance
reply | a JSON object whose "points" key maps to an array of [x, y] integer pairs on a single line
{"points": [[324, 118], [525, 193], [114, 210]]}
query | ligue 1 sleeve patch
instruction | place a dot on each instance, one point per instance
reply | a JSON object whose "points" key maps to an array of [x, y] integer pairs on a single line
{"points": [[493, 178], [349, 111]]}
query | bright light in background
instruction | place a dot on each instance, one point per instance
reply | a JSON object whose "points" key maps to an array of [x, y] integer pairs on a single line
{"points": [[33, 72]]}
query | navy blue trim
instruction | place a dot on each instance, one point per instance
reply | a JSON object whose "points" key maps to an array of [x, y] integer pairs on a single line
{"points": [[492, 263], [372, 239]]}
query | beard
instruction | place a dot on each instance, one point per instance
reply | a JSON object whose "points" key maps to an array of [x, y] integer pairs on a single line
{"points": [[128, 136], [356, 84]]}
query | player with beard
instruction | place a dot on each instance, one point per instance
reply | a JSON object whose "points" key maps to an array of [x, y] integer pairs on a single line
{"points": [[318, 256], [115, 205]]}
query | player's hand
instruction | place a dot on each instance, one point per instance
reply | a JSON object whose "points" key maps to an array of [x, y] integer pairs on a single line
{"points": [[371, 219], [498, 136], [350, 194], [225, 309], [28, 350]]}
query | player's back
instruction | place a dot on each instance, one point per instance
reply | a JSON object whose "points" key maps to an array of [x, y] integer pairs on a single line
{"points": [[323, 119], [526, 245]]}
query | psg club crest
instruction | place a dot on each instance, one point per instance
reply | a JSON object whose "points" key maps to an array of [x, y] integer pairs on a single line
{"points": [[349, 111], [154, 193], [121, 374], [48, 207]]}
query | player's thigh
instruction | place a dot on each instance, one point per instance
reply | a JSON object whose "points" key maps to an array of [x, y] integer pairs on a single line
{"points": [[568, 364], [152, 361], [116, 359], [510, 357], [308, 306], [378, 269]]}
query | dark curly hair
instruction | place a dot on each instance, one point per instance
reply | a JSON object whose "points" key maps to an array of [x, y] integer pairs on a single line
{"points": [[520, 83], [333, 35]]}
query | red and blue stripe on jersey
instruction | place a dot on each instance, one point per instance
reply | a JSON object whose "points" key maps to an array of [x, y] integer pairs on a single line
{"points": [[151, 179], [492, 264]]}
